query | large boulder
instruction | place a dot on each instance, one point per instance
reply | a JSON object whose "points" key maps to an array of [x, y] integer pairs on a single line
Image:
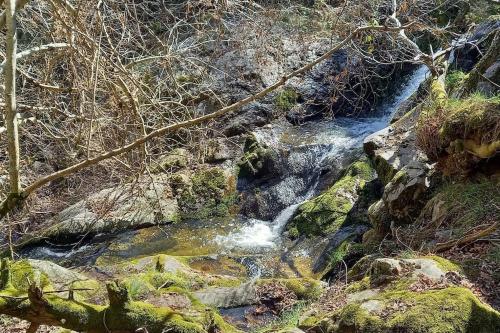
{"points": [[146, 203], [327, 212]]}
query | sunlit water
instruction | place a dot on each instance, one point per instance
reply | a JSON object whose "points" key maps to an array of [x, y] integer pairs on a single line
{"points": [[310, 146], [330, 139]]}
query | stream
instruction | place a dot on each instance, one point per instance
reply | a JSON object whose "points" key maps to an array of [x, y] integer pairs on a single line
{"points": [[222, 246]]}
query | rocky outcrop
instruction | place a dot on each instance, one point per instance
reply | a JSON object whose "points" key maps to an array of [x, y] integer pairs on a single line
{"points": [[209, 192], [406, 295]]}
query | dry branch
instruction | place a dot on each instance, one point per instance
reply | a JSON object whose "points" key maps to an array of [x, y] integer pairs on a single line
{"points": [[35, 50], [467, 239], [14, 200]]}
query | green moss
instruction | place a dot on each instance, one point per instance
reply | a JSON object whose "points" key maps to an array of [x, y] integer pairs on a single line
{"points": [[287, 320], [476, 118], [452, 131], [455, 79], [23, 274], [450, 310], [78, 316], [286, 99], [304, 288], [309, 321], [211, 195], [445, 264], [358, 286], [385, 171], [327, 212], [257, 159], [470, 204], [176, 159], [140, 314]]}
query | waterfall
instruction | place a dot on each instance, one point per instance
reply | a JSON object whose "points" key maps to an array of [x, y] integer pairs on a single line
{"points": [[328, 139]]}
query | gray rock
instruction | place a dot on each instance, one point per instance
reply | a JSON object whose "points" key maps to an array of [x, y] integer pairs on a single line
{"points": [[487, 84], [228, 297], [379, 217], [116, 209], [402, 195], [372, 306], [385, 270], [362, 295], [466, 57], [176, 159]]}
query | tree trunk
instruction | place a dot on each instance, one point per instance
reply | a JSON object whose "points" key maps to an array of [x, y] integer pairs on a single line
{"points": [[10, 98]]}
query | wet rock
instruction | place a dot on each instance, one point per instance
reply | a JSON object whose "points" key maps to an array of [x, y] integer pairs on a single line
{"points": [[282, 177], [250, 117], [326, 213], [258, 160], [224, 149], [487, 85], [211, 193], [416, 98], [466, 57]]}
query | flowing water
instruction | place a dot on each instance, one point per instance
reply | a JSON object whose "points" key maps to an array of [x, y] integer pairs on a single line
{"points": [[328, 140], [256, 244]]}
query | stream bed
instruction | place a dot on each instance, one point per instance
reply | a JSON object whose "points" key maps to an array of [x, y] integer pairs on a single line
{"points": [[240, 245]]}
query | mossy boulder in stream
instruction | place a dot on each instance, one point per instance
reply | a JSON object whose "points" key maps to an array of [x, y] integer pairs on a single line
{"points": [[211, 193], [154, 294], [325, 213], [258, 160]]}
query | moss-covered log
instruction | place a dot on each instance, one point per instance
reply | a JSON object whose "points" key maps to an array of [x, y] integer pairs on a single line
{"points": [[122, 314]]}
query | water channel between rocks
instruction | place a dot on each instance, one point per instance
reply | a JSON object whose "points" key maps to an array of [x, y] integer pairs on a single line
{"points": [[245, 246]]}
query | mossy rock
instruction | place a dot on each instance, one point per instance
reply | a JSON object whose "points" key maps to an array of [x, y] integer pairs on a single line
{"points": [[460, 133], [286, 99], [257, 161], [473, 125], [452, 310], [401, 304], [175, 160], [327, 212], [212, 194], [306, 289], [50, 277]]}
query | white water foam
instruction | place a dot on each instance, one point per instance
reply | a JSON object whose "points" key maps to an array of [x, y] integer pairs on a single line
{"points": [[258, 234]]}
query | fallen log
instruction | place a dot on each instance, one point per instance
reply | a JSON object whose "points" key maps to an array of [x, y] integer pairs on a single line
{"points": [[121, 314]]}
